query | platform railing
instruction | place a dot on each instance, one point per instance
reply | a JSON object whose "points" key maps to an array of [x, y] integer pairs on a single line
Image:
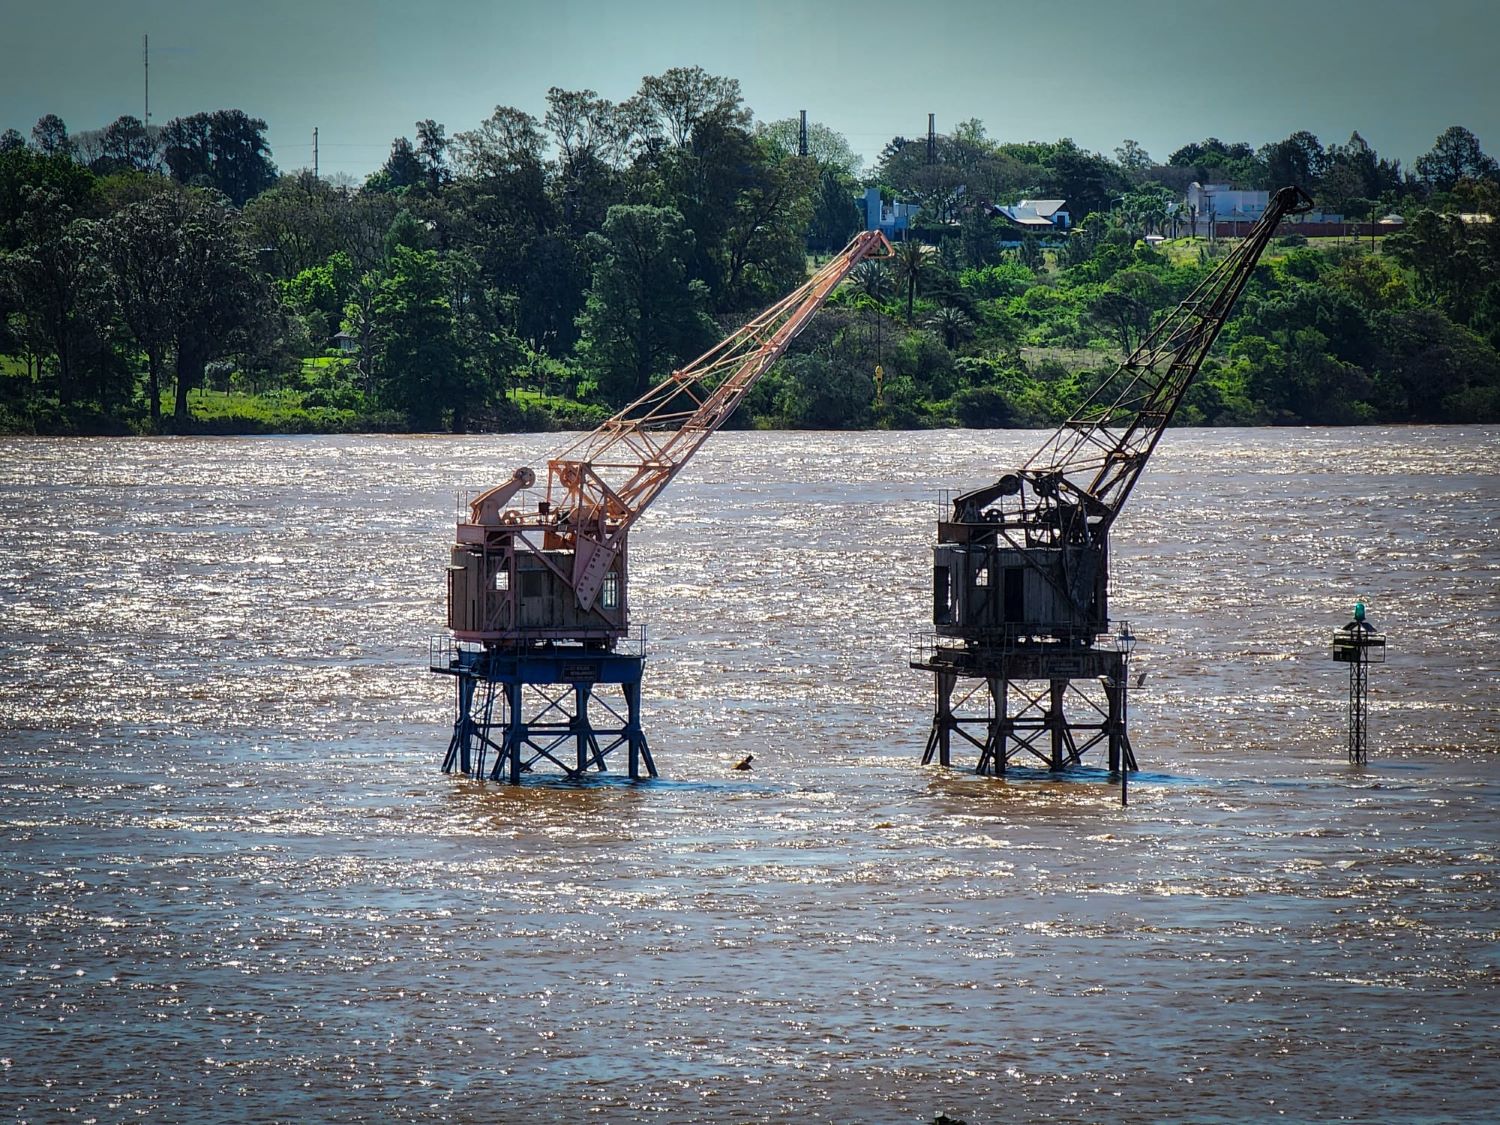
{"points": [[923, 646], [446, 652]]}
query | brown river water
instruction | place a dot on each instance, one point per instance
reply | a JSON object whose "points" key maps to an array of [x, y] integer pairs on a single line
{"points": [[234, 885]]}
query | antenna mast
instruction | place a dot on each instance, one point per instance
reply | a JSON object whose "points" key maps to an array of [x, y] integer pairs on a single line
{"points": [[146, 66]]}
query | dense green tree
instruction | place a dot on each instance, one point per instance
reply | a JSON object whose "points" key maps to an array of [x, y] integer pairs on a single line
{"points": [[225, 301], [225, 150], [126, 145], [835, 217], [681, 97], [1029, 253], [763, 252], [507, 146], [590, 135], [50, 264], [432, 154], [1355, 177], [1297, 160], [299, 223], [1124, 316], [414, 352], [1084, 179], [979, 238], [1455, 156], [815, 394], [1436, 371], [983, 408], [1220, 162], [143, 248], [54, 278], [551, 293], [1132, 157], [22, 172], [1197, 153], [50, 136], [827, 148], [1451, 264], [10, 141], [643, 316], [487, 351], [320, 293]]}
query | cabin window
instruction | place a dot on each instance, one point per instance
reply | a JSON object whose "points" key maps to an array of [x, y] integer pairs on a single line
{"points": [[982, 576], [609, 596]]}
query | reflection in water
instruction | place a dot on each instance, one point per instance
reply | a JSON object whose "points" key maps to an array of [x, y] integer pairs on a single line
{"points": [[236, 888]]}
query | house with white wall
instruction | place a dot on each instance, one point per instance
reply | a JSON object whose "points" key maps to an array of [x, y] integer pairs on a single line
{"points": [[1224, 204]]}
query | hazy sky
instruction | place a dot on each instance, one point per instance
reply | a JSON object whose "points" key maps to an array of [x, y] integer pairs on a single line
{"points": [[1160, 71]]}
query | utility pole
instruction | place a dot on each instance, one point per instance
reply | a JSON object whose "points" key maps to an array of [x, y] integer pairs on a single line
{"points": [[932, 138], [146, 64], [315, 152], [802, 135]]}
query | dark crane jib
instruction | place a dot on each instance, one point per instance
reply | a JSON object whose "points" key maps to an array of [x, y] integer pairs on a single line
{"points": [[1090, 464], [1021, 566]]}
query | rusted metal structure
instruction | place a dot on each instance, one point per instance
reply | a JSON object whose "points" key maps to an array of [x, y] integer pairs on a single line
{"points": [[1021, 566], [1358, 645], [538, 593]]}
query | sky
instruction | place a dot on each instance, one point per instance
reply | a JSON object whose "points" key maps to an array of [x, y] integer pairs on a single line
{"points": [[1161, 72]]}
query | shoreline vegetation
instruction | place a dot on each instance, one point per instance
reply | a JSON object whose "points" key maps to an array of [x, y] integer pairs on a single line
{"points": [[534, 274]]}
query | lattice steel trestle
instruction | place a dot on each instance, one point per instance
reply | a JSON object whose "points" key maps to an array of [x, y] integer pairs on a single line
{"points": [[1040, 703], [562, 704]]}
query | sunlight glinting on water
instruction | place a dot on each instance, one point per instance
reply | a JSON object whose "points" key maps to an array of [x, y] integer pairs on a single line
{"points": [[237, 887]]}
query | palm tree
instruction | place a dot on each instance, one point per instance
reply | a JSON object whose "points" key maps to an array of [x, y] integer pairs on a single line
{"points": [[912, 262], [952, 323], [873, 279]]}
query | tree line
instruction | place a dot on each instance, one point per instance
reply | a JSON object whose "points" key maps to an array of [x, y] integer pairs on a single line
{"points": [[543, 270]]}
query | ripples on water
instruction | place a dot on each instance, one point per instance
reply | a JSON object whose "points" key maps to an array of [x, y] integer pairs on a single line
{"points": [[236, 887]]}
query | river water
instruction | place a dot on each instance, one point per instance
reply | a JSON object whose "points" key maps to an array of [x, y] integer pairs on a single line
{"points": [[234, 885]]}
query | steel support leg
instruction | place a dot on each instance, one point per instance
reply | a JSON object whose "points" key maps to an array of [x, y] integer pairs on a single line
{"points": [[1056, 724], [939, 741]]}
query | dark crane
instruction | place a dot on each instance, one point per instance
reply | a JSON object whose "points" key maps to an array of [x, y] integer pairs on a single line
{"points": [[1021, 566], [537, 593]]}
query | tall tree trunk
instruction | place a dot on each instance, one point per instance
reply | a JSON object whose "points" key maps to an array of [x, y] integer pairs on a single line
{"points": [[192, 358], [153, 386]]}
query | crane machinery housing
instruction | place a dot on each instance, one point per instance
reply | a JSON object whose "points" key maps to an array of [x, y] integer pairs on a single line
{"points": [[538, 603], [1020, 591]]}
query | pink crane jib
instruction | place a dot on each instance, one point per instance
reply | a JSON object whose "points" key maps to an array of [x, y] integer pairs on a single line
{"points": [[558, 571], [537, 600]]}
